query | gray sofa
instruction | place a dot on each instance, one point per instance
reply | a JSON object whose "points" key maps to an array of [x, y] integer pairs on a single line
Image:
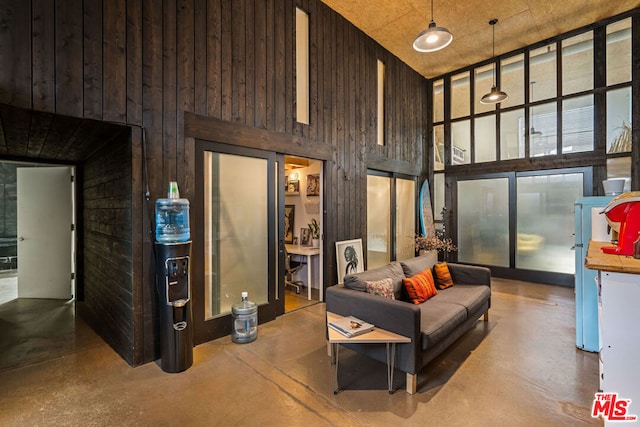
{"points": [[432, 325]]}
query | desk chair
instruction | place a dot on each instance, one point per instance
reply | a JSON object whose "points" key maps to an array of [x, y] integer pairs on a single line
{"points": [[291, 268]]}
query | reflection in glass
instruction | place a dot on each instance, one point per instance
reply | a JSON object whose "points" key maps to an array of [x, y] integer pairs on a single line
{"points": [[543, 131], [619, 52], [235, 231], [485, 139], [483, 83], [577, 63], [512, 80], [545, 221], [512, 135], [438, 101], [542, 71], [619, 120], [438, 147], [483, 221], [405, 218], [577, 124], [620, 168], [438, 196], [378, 221], [460, 142], [460, 96]]}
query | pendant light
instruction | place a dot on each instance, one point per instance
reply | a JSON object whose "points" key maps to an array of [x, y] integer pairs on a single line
{"points": [[433, 38], [496, 95]]}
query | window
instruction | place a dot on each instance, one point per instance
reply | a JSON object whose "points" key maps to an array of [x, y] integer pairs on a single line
{"points": [[542, 73], [302, 66], [577, 124], [619, 120], [512, 80], [460, 95], [485, 139], [512, 129], [543, 132], [461, 142], [577, 63], [619, 52], [380, 118]]}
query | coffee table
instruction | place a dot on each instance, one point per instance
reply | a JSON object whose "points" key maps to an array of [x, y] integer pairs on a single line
{"points": [[376, 336]]}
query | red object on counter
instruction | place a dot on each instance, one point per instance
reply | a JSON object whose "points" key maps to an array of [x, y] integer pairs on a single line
{"points": [[625, 210]]}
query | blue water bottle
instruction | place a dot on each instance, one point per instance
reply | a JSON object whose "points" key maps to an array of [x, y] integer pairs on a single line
{"points": [[172, 217]]}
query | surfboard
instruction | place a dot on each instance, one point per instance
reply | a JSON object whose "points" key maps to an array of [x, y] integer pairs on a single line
{"points": [[427, 226]]}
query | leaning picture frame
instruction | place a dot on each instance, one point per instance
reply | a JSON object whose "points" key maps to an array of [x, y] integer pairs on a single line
{"points": [[305, 237], [349, 258], [289, 222]]}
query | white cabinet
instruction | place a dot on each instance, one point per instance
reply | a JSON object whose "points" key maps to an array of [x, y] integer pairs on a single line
{"points": [[619, 304]]}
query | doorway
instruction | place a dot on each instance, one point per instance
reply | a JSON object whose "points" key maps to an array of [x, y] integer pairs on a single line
{"points": [[303, 231], [37, 307]]}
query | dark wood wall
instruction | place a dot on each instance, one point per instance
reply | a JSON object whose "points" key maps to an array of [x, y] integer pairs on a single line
{"points": [[107, 301], [145, 63]]}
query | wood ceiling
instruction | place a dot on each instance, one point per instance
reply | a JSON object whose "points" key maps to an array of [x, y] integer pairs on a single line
{"points": [[395, 23]]}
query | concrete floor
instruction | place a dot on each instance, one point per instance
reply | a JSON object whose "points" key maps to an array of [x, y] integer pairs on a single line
{"points": [[520, 369]]}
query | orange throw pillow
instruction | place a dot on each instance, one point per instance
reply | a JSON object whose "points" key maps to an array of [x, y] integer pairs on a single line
{"points": [[420, 287], [443, 275]]}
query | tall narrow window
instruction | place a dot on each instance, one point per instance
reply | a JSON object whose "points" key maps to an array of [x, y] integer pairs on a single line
{"points": [[619, 52], [302, 66], [380, 103]]}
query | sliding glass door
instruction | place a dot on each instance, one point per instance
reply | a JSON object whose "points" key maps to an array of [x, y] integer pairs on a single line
{"points": [[522, 222], [236, 250]]}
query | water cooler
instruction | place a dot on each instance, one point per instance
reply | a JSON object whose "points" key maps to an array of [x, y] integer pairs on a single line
{"points": [[173, 255]]}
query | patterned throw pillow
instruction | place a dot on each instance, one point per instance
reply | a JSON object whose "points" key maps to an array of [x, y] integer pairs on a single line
{"points": [[443, 275], [420, 287], [383, 288]]}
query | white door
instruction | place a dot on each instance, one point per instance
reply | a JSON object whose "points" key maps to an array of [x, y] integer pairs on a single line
{"points": [[45, 215]]}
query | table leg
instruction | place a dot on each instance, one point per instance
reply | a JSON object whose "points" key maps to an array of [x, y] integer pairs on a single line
{"points": [[309, 277], [336, 349], [391, 359]]}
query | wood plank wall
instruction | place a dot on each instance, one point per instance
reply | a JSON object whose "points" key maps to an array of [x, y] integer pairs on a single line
{"points": [[107, 246], [145, 63]]}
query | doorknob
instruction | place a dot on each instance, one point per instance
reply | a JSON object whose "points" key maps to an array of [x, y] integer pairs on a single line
{"points": [[20, 239]]}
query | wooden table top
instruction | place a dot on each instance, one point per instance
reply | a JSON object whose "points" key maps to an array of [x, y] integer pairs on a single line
{"points": [[377, 335], [598, 260]]}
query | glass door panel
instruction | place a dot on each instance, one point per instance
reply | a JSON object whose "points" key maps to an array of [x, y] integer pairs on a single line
{"points": [[235, 231], [545, 221], [405, 218], [235, 236], [378, 221], [483, 221]]}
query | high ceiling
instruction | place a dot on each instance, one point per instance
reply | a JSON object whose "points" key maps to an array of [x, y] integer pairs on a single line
{"points": [[395, 23]]}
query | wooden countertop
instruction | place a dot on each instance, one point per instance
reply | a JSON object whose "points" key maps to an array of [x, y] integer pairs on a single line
{"points": [[598, 260]]}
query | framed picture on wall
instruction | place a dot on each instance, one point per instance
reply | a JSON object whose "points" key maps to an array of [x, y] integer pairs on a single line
{"points": [[289, 220], [349, 258], [293, 186], [313, 185]]}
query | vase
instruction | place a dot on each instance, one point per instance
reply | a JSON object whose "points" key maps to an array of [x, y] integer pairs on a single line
{"points": [[315, 243], [432, 255]]}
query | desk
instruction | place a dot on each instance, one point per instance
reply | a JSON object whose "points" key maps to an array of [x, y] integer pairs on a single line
{"points": [[376, 336], [308, 252]]}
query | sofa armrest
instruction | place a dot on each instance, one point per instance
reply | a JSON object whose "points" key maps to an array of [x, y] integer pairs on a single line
{"points": [[469, 274], [400, 317]]}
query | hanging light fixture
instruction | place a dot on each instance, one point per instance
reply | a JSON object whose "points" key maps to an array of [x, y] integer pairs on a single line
{"points": [[433, 38], [496, 95], [533, 131]]}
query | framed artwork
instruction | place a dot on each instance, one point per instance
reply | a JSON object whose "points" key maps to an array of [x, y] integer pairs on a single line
{"points": [[349, 258], [289, 219], [305, 237], [313, 185], [293, 186]]}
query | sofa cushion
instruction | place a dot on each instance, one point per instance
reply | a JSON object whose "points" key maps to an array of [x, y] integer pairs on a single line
{"points": [[415, 265], [392, 270], [443, 276], [438, 319], [471, 297], [420, 287], [383, 288]]}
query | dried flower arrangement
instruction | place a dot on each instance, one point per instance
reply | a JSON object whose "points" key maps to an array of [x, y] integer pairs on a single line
{"points": [[435, 242]]}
